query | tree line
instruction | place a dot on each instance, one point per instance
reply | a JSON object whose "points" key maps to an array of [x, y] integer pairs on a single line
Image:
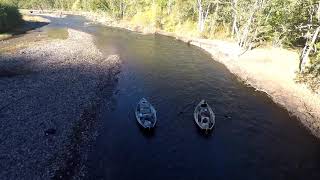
{"points": [[289, 23]]}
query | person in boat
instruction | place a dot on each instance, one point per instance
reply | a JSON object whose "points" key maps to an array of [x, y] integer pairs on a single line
{"points": [[145, 114], [204, 112]]}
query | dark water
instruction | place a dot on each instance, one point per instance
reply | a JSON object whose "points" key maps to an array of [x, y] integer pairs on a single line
{"points": [[253, 138]]}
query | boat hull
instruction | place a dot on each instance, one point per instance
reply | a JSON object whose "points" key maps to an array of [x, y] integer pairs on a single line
{"points": [[146, 120], [204, 116]]}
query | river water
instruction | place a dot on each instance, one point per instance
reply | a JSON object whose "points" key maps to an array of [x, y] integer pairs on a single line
{"points": [[254, 138]]}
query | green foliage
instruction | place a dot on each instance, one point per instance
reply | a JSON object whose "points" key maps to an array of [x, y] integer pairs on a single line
{"points": [[288, 23], [283, 22], [9, 15], [144, 18], [311, 76], [278, 20]]}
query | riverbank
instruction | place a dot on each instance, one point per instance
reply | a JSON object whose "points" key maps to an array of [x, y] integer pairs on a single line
{"points": [[51, 92], [271, 70], [29, 22]]}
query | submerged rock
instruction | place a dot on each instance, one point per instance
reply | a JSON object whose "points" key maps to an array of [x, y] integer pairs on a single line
{"points": [[50, 131]]}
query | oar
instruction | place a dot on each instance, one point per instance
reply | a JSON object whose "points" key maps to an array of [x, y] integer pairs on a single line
{"points": [[186, 107]]}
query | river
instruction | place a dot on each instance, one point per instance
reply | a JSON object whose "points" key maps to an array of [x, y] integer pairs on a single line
{"points": [[254, 138]]}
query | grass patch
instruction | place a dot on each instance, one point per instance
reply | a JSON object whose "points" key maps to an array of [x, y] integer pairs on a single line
{"points": [[5, 36], [29, 18], [311, 76]]}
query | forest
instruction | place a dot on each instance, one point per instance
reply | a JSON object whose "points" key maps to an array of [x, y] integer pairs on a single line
{"points": [[250, 23]]}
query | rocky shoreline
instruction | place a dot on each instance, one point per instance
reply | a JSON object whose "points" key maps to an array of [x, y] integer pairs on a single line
{"points": [[50, 95]]}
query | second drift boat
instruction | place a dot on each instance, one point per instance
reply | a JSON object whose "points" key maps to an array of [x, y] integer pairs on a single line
{"points": [[204, 116]]}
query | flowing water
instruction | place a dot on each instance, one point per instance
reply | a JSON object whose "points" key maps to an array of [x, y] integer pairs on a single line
{"points": [[253, 138]]}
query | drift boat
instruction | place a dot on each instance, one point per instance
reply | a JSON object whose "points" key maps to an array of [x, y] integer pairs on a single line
{"points": [[146, 114], [204, 116]]}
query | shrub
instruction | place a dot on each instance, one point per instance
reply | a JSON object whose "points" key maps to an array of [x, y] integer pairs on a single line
{"points": [[144, 18], [9, 17]]}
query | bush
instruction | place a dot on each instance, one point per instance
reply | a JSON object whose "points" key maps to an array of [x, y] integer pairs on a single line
{"points": [[188, 28], [311, 76], [144, 18], [9, 17]]}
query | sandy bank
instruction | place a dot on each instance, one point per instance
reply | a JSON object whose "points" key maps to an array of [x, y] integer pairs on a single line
{"points": [[273, 72], [50, 94]]}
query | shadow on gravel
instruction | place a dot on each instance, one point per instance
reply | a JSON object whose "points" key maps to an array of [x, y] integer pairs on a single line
{"points": [[13, 72], [29, 25], [48, 113], [12, 68]]}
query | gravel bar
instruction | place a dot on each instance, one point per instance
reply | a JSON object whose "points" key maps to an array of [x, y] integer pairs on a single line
{"points": [[49, 96]]}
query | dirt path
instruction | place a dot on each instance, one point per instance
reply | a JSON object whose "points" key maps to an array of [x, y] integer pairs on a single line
{"points": [[48, 99]]}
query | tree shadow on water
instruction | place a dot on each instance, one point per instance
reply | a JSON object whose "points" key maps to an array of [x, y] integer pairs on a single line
{"points": [[204, 133], [23, 28]]}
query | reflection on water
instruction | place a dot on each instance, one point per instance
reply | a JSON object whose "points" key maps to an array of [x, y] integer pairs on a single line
{"points": [[148, 133], [57, 33], [253, 137]]}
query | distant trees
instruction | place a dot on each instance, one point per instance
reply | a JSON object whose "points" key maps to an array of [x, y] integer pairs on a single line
{"points": [[250, 23], [310, 30]]}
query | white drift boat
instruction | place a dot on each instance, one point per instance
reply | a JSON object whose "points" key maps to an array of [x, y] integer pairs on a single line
{"points": [[146, 114], [204, 116]]}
